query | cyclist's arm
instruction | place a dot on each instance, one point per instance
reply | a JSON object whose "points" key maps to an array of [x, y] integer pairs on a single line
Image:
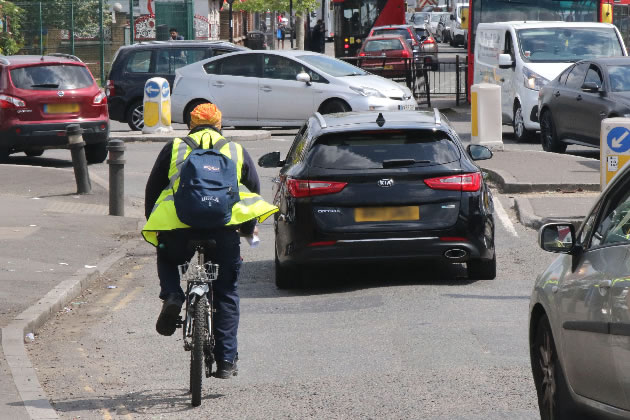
{"points": [[249, 178], [158, 179]]}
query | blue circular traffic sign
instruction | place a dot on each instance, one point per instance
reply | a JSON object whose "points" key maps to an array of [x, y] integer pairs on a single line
{"points": [[618, 139], [152, 89], [165, 89]]}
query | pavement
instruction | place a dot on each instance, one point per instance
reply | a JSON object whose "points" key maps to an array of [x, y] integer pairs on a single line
{"points": [[53, 241]]}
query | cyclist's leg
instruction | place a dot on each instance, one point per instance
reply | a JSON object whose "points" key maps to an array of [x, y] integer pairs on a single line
{"points": [[225, 295]]}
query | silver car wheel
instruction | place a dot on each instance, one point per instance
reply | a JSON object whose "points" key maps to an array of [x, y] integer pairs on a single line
{"points": [[548, 380], [137, 117], [519, 124]]}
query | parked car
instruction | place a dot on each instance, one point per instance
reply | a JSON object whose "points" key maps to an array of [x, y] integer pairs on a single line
{"points": [[395, 56], [579, 320], [406, 31], [40, 96], [134, 64], [573, 105], [419, 18], [381, 187], [427, 53], [282, 88], [522, 57]]}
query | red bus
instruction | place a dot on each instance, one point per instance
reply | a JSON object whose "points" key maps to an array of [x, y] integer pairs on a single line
{"points": [[482, 11], [353, 20]]}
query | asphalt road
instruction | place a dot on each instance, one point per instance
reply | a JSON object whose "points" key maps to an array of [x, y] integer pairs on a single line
{"points": [[360, 342]]}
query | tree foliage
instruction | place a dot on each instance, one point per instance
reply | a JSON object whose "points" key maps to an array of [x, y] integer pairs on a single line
{"points": [[299, 6], [11, 39]]}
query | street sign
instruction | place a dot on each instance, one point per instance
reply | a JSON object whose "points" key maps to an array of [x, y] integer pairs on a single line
{"points": [[614, 147], [165, 90], [157, 106], [152, 89]]}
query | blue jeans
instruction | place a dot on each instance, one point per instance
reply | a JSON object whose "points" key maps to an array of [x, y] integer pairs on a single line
{"points": [[225, 296]]}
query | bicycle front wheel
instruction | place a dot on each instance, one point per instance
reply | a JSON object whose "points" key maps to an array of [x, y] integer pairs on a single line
{"points": [[199, 336]]}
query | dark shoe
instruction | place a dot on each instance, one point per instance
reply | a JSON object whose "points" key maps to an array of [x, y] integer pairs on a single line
{"points": [[167, 321], [226, 369]]}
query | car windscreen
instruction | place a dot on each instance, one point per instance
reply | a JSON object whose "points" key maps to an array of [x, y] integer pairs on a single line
{"points": [[332, 66], [383, 45], [553, 45], [619, 78], [59, 76], [394, 31], [422, 33], [435, 17], [369, 149]]}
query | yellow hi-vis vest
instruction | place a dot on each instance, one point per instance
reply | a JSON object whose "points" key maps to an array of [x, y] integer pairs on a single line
{"points": [[164, 217]]}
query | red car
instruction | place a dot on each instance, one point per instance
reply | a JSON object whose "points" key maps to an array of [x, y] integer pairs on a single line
{"points": [[40, 96], [395, 56]]}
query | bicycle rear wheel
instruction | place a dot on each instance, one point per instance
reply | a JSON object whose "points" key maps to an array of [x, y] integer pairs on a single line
{"points": [[199, 336]]}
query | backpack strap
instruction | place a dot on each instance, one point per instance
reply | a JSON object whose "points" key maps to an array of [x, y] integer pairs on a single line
{"points": [[190, 142]]}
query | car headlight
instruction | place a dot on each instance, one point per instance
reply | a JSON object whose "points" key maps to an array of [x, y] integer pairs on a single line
{"points": [[533, 81], [366, 91]]}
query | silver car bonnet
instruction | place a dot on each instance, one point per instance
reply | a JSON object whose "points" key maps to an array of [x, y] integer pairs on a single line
{"points": [[385, 86]]}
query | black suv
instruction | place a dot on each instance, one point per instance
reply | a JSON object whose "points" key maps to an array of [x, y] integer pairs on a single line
{"points": [[133, 65]]}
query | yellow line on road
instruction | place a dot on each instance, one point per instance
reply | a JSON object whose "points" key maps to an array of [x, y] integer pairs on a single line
{"points": [[138, 267], [124, 301], [106, 414], [113, 294], [88, 388]]}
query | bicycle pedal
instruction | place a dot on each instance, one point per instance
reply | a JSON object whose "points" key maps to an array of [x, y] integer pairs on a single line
{"points": [[179, 322]]}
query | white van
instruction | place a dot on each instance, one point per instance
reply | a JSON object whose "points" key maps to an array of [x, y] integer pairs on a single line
{"points": [[458, 35], [522, 57]]}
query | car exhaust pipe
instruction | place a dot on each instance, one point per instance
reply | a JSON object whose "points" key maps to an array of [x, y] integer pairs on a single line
{"points": [[455, 254]]}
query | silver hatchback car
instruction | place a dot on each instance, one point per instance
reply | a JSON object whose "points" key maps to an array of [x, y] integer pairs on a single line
{"points": [[282, 88], [579, 326]]}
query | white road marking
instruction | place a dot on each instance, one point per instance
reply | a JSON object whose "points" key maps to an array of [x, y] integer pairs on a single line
{"points": [[503, 217]]}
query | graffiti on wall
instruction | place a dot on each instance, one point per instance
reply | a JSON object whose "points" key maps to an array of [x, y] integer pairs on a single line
{"points": [[144, 27]]}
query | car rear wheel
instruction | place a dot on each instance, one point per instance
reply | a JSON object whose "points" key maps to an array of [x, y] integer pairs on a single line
{"points": [[286, 277], [135, 116], [96, 152], [554, 399], [518, 122], [34, 153], [549, 139], [333, 106], [482, 269]]}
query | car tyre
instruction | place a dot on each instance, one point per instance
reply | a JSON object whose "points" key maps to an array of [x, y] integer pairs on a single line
{"points": [[548, 137], [482, 269], [554, 398], [521, 134], [135, 116], [286, 277], [96, 152], [334, 106], [34, 153]]}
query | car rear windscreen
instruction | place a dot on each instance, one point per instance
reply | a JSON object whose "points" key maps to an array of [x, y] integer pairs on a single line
{"points": [[383, 44], [369, 149], [61, 77], [402, 32]]}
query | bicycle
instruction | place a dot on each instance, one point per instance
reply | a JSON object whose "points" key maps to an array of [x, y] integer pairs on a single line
{"points": [[197, 323]]}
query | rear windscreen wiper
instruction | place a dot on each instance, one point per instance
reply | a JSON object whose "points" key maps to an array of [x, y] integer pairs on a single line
{"points": [[47, 85], [390, 163]]}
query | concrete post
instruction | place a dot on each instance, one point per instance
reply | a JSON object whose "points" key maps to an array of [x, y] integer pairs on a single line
{"points": [[487, 127], [79, 162], [116, 164]]}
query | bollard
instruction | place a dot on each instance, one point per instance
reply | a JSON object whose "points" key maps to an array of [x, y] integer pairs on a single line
{"points": [[79, 162], [486, 124], [116, 164]]}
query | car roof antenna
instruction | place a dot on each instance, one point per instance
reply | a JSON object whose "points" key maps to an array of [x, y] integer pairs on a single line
{"points": [[380, 120]]}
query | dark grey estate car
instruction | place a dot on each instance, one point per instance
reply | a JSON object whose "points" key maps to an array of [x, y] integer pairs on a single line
{"points": [[134, 64], [579, 329], [572, 106]]}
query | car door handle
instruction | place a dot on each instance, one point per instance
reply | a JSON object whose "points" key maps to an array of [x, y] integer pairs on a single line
{"points": [[605, 284], [556, 93], [266, 88], [218, 84], [578, 98]]}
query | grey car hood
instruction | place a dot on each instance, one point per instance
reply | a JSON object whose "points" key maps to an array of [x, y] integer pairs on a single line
{"points": [[385, 86], [623, 97]]}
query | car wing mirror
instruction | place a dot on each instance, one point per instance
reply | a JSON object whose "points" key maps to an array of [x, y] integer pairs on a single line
{"points": [[505, 61], [591, 87], [478, 152], [557, 237], [452, 17], [304, 77], [270, 160]]}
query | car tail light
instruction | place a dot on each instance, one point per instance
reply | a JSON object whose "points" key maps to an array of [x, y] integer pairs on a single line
{"points": [[465, 182], [11, 102], [100, 98], [404, 54], [302, 188], [362, 54], [453, 239], [429, 40], [110, 89], [322, 243]]}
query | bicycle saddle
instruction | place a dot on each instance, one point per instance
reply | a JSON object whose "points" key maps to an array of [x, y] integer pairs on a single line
{"points": [[208, 245]]}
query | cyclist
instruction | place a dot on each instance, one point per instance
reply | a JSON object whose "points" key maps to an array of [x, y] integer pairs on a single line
{"points": [[165, 231]]}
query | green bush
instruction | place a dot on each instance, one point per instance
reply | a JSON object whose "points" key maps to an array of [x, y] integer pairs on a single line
{"points": [[11, 39]]}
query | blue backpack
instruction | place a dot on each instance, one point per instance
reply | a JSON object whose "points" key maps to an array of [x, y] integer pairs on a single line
{"points": [[208, 188]]}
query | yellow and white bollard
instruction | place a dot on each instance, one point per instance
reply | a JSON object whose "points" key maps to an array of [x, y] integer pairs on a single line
{"points": [[157, 106], [487, 125], [614, 147]]}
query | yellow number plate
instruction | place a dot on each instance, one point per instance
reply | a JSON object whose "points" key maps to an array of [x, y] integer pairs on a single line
{"points": [[61, 108], [385, 214], [389, 67]]}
